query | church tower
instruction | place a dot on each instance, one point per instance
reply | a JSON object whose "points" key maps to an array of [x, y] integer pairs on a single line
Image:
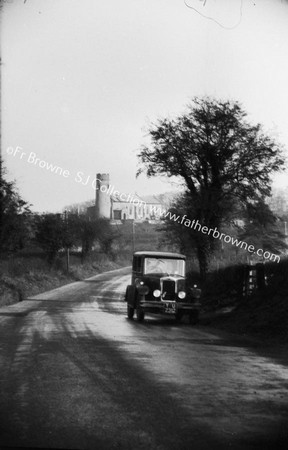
{"points": [[103, 202]]}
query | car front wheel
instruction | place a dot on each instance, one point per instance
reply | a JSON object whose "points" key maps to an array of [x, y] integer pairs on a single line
{"points": [[194, 317], [178, 316], [130, 311], [140, 314]]}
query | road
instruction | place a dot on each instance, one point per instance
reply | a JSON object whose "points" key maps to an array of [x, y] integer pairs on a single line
{"points": [[77, 374]]}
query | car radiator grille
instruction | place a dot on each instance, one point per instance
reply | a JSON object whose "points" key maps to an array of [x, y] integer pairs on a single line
{"points": [[168, 290]]}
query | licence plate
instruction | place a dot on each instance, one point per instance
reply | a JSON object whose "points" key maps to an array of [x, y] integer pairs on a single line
{"points": [[170, 308]]}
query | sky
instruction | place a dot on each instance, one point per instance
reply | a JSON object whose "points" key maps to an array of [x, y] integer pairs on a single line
{"points": [[81, 80]]}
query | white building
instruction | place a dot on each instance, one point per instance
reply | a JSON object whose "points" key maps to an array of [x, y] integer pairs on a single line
{"points": [[118, 206]]}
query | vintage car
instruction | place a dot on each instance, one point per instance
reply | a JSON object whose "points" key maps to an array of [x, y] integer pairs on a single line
{"points": [[158, 285]]}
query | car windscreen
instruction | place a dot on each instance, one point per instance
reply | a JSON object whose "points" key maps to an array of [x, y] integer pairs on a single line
{"points": [[170, 266]]}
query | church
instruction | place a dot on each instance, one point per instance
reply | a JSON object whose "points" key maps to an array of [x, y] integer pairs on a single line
{"points": [[118, 207]]}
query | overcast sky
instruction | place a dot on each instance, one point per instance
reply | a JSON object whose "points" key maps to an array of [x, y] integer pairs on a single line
{"points": [[82, 79]]}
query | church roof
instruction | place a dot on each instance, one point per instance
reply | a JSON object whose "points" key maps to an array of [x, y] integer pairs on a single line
{"points": [[130, 197], [148, 199]]}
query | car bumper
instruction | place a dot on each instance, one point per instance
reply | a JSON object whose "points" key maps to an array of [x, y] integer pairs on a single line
{"points": [[169, 307]]}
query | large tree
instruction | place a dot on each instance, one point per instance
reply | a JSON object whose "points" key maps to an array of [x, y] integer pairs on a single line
{"points": [[85, 231], [263, 229], [51, 234], [221, 159], [15, 216]]}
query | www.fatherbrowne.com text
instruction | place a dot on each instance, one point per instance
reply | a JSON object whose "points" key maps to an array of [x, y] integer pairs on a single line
{"points": [[196, 225]]}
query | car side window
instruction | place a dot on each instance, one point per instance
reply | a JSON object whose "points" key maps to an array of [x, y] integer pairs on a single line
{"points": [[137, 264]]}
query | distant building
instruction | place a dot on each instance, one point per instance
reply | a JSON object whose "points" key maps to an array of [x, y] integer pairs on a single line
{"points": [[116, 206]]}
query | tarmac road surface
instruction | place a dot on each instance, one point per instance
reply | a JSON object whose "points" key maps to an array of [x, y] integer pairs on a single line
{"points": [[77, 374]]}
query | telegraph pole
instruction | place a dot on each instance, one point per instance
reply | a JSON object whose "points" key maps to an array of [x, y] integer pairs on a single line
{"points": [[133, 236], [67, 248], [1, 180]]}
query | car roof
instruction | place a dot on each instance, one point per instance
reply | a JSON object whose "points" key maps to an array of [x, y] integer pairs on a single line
{"points": [[160, 254]]}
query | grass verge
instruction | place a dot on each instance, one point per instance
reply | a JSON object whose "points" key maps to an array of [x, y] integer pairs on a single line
{"points": [[263, 314], [21, 276]]}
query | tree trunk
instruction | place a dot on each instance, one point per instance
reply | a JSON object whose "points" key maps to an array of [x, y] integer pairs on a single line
{"points": [[202, 261]]}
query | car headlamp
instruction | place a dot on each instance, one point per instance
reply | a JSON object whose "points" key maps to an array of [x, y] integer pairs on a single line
{"points": [[181, 294], [156, 293]]}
